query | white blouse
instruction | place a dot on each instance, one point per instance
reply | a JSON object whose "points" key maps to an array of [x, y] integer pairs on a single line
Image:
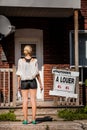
{"points": [[27, 70]]}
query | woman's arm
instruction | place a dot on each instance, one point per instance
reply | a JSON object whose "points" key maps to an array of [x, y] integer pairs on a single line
{"points": [[18, 73], [39, 79], [19, 80]]}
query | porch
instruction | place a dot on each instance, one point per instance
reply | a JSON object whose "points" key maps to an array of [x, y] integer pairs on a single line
{"points": [[9, 97], [19, 12]]}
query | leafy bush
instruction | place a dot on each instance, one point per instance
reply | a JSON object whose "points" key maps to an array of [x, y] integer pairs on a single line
{"points": [[10, 116], [69, 114]]}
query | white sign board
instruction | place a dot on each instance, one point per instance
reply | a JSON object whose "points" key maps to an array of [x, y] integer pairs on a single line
{"points": [[64, 83]]}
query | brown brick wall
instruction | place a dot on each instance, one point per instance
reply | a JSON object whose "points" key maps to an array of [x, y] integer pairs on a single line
{"points": [[2, 64], [84, 8], [84, 12], [7, 46]]}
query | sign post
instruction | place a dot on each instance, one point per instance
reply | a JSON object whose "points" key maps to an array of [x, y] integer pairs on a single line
{"points": [[64, 83]]}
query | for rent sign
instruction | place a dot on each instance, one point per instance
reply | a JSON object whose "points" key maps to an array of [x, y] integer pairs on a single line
{"points": [[64, 83]]}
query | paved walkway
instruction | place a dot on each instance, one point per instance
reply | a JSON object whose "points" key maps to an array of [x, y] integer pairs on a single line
{"points": [[48, 125]]}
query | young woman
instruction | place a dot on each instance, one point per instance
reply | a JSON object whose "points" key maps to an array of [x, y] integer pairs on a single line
{"points": [[27, 73]]}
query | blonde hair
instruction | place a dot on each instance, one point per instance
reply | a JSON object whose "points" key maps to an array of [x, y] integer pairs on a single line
{"points": [[28, 48]]}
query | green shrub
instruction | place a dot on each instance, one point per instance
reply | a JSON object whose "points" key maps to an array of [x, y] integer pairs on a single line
{"points": [[69, 114], [10, 116]]}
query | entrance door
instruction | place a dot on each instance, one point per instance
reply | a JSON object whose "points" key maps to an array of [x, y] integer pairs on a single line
{"points": [[33, 37]]}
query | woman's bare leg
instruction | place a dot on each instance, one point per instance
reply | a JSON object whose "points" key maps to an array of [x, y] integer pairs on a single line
{"points": [[33, 102], [25, 103]]}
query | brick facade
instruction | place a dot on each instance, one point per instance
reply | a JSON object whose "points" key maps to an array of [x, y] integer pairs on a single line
{"points": [[84, 12], [55, 31], [7, 46]]}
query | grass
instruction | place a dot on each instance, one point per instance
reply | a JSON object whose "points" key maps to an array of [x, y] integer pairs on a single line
{"points": [[77, 114], [8, 116]]}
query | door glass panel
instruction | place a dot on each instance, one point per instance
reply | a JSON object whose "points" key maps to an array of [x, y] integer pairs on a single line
{"points": [[33, 49]]}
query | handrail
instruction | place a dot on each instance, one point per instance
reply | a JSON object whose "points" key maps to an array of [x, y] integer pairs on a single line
{"points": [[6, 69], [7, 87]]}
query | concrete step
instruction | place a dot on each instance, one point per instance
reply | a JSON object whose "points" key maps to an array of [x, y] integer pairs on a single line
{"points": [[44, 109], [41, 112], [54, 125]]}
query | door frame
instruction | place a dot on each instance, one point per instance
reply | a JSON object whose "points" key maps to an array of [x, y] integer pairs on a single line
{"points": [[32, 36]]}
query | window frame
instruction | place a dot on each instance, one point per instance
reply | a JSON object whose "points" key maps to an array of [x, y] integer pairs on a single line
{"points": [[82, 67]]}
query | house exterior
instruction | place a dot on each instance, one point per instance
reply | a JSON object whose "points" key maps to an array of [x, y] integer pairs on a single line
{"points": [[48, 26]]}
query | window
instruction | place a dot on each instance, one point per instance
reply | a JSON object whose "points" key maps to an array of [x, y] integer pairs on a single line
{"points": [[82, 48], [33, 48], [82, 74]]}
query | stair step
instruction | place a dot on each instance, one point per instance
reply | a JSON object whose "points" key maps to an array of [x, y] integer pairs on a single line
{"points": [[53, 125], [42, 112]]}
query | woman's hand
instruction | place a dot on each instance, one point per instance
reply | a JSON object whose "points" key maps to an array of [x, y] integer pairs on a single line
{"points": [[19, 86], [41, 88], [39, 79]]}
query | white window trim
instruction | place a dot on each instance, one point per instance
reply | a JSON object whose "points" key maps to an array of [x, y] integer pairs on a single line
{"points": [[70, 43]]}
